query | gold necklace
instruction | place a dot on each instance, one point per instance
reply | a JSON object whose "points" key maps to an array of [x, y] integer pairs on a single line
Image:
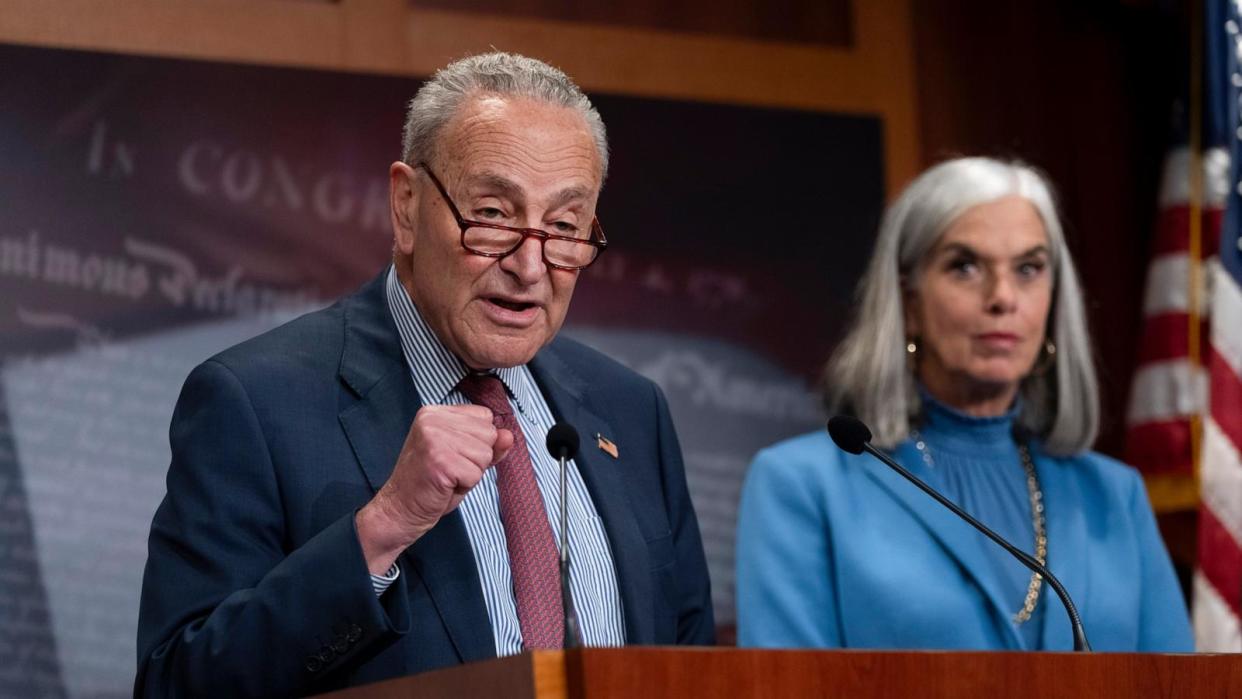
{"points": [[1037, 521]]}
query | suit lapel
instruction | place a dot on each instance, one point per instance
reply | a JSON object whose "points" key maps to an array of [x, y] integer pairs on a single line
{"points": [[1066, 528], [444, 560], [377, 423], [374, 371], [604, 479], [959, 539]]}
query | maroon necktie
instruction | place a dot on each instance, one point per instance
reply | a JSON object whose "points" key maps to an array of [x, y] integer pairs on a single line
{"points": [[532, 551]]}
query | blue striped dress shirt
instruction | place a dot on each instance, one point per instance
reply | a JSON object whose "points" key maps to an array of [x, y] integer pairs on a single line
{"points": [[593, 581]]}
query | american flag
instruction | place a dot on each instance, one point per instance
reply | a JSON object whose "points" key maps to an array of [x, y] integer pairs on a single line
{"points": [[1185, 413]]}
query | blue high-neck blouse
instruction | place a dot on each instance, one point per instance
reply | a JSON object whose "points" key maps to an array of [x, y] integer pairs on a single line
{"points": [[836, 551], [975, 463]]}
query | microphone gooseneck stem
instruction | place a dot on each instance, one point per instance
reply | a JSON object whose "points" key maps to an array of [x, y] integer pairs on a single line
{"points": [[1080, 636], [567, 604]]}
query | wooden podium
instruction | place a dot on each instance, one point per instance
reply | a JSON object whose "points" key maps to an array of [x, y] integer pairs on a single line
{"points": [[655, 673]]}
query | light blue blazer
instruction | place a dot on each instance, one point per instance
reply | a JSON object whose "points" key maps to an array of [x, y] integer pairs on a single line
{"points": [[836, 550]]}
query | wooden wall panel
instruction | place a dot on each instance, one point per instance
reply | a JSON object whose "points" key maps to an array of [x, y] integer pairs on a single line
{"points": [[824, 22], [873, 76]]}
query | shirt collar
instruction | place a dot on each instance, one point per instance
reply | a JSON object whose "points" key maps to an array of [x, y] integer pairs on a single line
{"points": [[435, 370]]}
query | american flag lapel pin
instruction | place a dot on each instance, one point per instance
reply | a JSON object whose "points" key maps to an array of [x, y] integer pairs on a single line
{"points": [[606, 445]]}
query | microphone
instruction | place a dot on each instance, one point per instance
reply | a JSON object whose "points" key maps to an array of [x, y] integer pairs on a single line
{"points": [[853, 436], [562, 443]]}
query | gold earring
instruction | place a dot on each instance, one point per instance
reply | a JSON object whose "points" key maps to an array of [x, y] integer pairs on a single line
{"points": [[1045, 361]]}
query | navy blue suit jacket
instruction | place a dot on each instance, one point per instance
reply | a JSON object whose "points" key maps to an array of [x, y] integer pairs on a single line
{"points": [[255, 583]]}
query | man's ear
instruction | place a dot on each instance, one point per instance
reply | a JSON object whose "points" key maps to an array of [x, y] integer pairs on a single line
{"points": [[402, 204]]}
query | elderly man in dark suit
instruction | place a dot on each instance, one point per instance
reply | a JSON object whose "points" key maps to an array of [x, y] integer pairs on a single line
{"points": [[364, 493]]}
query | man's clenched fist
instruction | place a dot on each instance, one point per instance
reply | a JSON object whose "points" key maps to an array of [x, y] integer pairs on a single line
{"points": [[446, 453]]}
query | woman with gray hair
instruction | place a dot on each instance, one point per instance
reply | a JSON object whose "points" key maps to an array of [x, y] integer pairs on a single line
{"points": [[971, 362]]}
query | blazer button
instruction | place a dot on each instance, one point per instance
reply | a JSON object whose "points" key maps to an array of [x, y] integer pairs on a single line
{"points": [[340, 645], [355, 633], [313, 663], [326, 654]]}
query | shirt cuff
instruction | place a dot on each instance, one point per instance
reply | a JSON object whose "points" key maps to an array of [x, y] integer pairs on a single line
{"points": [[380, 583]]}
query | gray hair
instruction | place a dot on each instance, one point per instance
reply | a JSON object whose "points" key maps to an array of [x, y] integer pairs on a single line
{"points": [[496, 73], [869, 374]]}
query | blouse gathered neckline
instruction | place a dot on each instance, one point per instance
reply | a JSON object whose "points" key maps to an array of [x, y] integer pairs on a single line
{"points": [[957, 432]]}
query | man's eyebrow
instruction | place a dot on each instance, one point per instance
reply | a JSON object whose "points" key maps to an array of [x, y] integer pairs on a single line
{"points": [[569, 194], [493, 181], [499, 183]]}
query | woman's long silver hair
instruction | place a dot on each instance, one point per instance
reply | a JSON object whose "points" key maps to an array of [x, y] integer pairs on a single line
{"points": [[869, 374]]}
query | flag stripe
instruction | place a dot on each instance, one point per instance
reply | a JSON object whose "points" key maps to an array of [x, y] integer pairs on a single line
{"points": [[1173, 231], [1160, 447], [1175, 183], [1222, 479], [1216, 626], [1166, 336], [1226, 398], [1168, 286], [1220, 560], [1165, 391], [1227, 318]]}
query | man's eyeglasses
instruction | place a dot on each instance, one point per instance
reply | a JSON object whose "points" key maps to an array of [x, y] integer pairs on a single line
{"points": [[495, 240]]}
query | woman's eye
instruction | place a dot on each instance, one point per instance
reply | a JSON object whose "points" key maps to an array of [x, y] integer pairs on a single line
{"points": [[963, 266], [1031, 269]]}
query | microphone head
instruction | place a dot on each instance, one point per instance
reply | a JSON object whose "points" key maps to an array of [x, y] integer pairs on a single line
{"points": [[849, 433], [562, 441]]}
